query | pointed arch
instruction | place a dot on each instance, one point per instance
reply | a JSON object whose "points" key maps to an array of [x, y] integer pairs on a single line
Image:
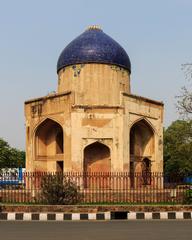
{"points": [[146, 121], [92, 141], [48, 139], [142, 144], [45, 119], [97, 158]]}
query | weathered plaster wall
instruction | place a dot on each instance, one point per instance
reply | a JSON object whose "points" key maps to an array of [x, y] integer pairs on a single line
{"points": [[94, 84], [92, 125], [93, 104], [56, 108], [136, 109]]}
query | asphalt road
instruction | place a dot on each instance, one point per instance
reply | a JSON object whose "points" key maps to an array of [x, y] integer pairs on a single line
{"points": [[113, 230]]}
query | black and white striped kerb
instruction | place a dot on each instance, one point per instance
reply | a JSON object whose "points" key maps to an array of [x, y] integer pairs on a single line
{"points": [[95, 216], [54, 216]]}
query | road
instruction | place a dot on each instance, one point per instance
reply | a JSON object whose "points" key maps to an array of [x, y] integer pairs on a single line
{"points": [[113, 230]]}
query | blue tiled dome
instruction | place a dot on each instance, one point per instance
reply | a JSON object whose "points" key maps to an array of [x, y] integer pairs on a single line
{"points": [[93, 46]]}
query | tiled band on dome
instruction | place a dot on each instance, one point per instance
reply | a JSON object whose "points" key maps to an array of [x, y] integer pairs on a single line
{"points": [[95, 216]]}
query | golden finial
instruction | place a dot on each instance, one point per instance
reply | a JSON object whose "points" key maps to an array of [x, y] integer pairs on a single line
{"points": [[94, 27]]}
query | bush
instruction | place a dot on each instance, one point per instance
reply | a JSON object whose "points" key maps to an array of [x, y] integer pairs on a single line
{"points": [[58, 189], [188, 196]]}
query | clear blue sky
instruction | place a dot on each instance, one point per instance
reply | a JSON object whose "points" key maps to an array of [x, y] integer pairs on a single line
{"points": [[157, 36]]}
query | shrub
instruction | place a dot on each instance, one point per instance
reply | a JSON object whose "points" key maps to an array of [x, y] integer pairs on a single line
{"points": [[58, 189], [188, 196]]}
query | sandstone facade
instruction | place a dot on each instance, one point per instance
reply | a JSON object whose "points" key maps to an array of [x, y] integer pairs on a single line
{"points": [[94, 123]]}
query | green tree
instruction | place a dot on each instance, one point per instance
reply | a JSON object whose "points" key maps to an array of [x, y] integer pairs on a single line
{"points": [[10, 157], [4, 152], [178, 148]]}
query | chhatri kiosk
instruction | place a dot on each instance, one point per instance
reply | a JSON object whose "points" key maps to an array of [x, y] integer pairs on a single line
{"points": [[93, 122]]}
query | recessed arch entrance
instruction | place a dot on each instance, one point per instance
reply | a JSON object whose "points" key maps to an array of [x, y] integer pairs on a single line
{"points": [[96, 160], [49, 142], [142, 149]]}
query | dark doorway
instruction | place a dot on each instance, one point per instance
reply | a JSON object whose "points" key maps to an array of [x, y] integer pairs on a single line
{"points": [[132, 175], [146, 171], [59, 142], [59, 166]]}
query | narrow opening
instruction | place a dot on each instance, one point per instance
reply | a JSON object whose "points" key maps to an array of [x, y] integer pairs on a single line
{"points": [[59, 142], [132, 173], [146, 165], [59, 166], [146, 171]]}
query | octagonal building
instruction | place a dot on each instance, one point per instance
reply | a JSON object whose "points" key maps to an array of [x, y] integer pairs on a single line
{"points": [[93, 122]]}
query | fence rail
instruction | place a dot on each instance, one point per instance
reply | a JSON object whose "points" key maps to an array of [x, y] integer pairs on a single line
{"points": [[98, 187]]}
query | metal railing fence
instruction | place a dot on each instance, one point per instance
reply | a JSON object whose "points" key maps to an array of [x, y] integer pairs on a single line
{"points": [[97, 187]]}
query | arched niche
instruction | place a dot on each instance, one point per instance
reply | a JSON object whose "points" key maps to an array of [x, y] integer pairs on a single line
{"points": [[49, 139], [142, 146], [97, 158]]}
